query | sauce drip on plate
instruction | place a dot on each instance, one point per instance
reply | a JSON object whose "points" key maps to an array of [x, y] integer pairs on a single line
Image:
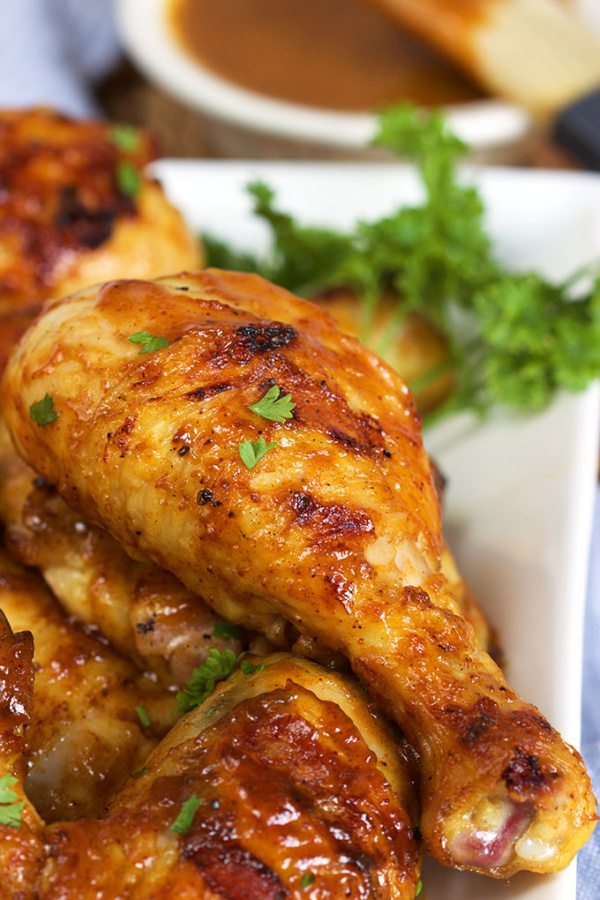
{"points": [[335, 54]]}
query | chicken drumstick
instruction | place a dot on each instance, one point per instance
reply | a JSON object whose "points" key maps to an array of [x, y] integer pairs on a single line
{"points": [[327, 519]]}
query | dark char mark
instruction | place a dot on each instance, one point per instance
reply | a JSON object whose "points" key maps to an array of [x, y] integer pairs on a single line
{"points": [[328, 520], [89, 227], [366, 448], [206, 496], [230, 870], [147, 626], [523, 774], [209, 390], [264, 338], [42, 484]]}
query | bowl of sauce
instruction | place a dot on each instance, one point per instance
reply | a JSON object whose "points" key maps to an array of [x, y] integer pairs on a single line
{"points": [[312, 71]]}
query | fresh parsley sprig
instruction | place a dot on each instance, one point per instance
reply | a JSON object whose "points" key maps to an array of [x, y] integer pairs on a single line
{"points": [[274, 406], [125, 137], [249, 668], [129, 180], [11, 808], [513, 339], [149, 342], [218, 665], [251, 452], [42, 411], [226, 631]]}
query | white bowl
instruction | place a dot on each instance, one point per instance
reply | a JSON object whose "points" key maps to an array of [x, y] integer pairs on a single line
{"points": [[494, 129]]}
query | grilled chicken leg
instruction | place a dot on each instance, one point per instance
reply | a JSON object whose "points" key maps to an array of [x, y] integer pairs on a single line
{"points": [[145, 613], [298, 791], [335, 529]]}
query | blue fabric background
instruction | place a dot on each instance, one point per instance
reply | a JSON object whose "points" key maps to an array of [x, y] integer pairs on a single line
{"points": [[588, 872]]}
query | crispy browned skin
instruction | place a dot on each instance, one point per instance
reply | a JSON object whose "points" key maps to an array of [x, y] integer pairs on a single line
{"points": [[337, 529], [296, 778], [64, 220], [145, 613], [84, 737], [469, 605], [21, 849]]}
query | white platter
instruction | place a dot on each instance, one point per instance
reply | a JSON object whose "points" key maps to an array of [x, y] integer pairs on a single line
{"points": [[519, 504]]}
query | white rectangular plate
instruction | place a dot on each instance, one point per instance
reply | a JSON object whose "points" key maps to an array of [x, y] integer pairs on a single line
{"points": [[519, 504]]}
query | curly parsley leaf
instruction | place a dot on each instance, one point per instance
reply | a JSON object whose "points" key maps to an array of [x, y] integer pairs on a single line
{"points": [[273, 406], [42, 412], [125, 137], [149, 342], [11, 808], [185, 819], [226, 631], [251, 452], [419, 888], [7, 795], [218, 665], [307, 879], [129, 180], [222, 256], [249, 668], [512, 339]]}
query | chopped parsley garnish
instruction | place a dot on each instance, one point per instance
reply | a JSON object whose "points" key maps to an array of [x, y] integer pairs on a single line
{"points": [[307, 879], [252, 452], [149, 342], [11, 808], [227, 631], [139, 772], [42, 412], [125, 137], [142, 714], [249, 668], [513, 339], [217, 666], [129, 180], [274, 407], [184, 820], [419, 888]]}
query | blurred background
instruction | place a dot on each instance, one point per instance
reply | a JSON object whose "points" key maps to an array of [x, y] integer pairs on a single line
{"points": [[316, 67], [258, 78]]}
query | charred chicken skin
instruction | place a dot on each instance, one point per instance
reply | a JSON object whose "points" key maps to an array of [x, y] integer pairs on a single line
{"points": [[336, 528], [77, 208], [295, 789], [284, 780]]}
